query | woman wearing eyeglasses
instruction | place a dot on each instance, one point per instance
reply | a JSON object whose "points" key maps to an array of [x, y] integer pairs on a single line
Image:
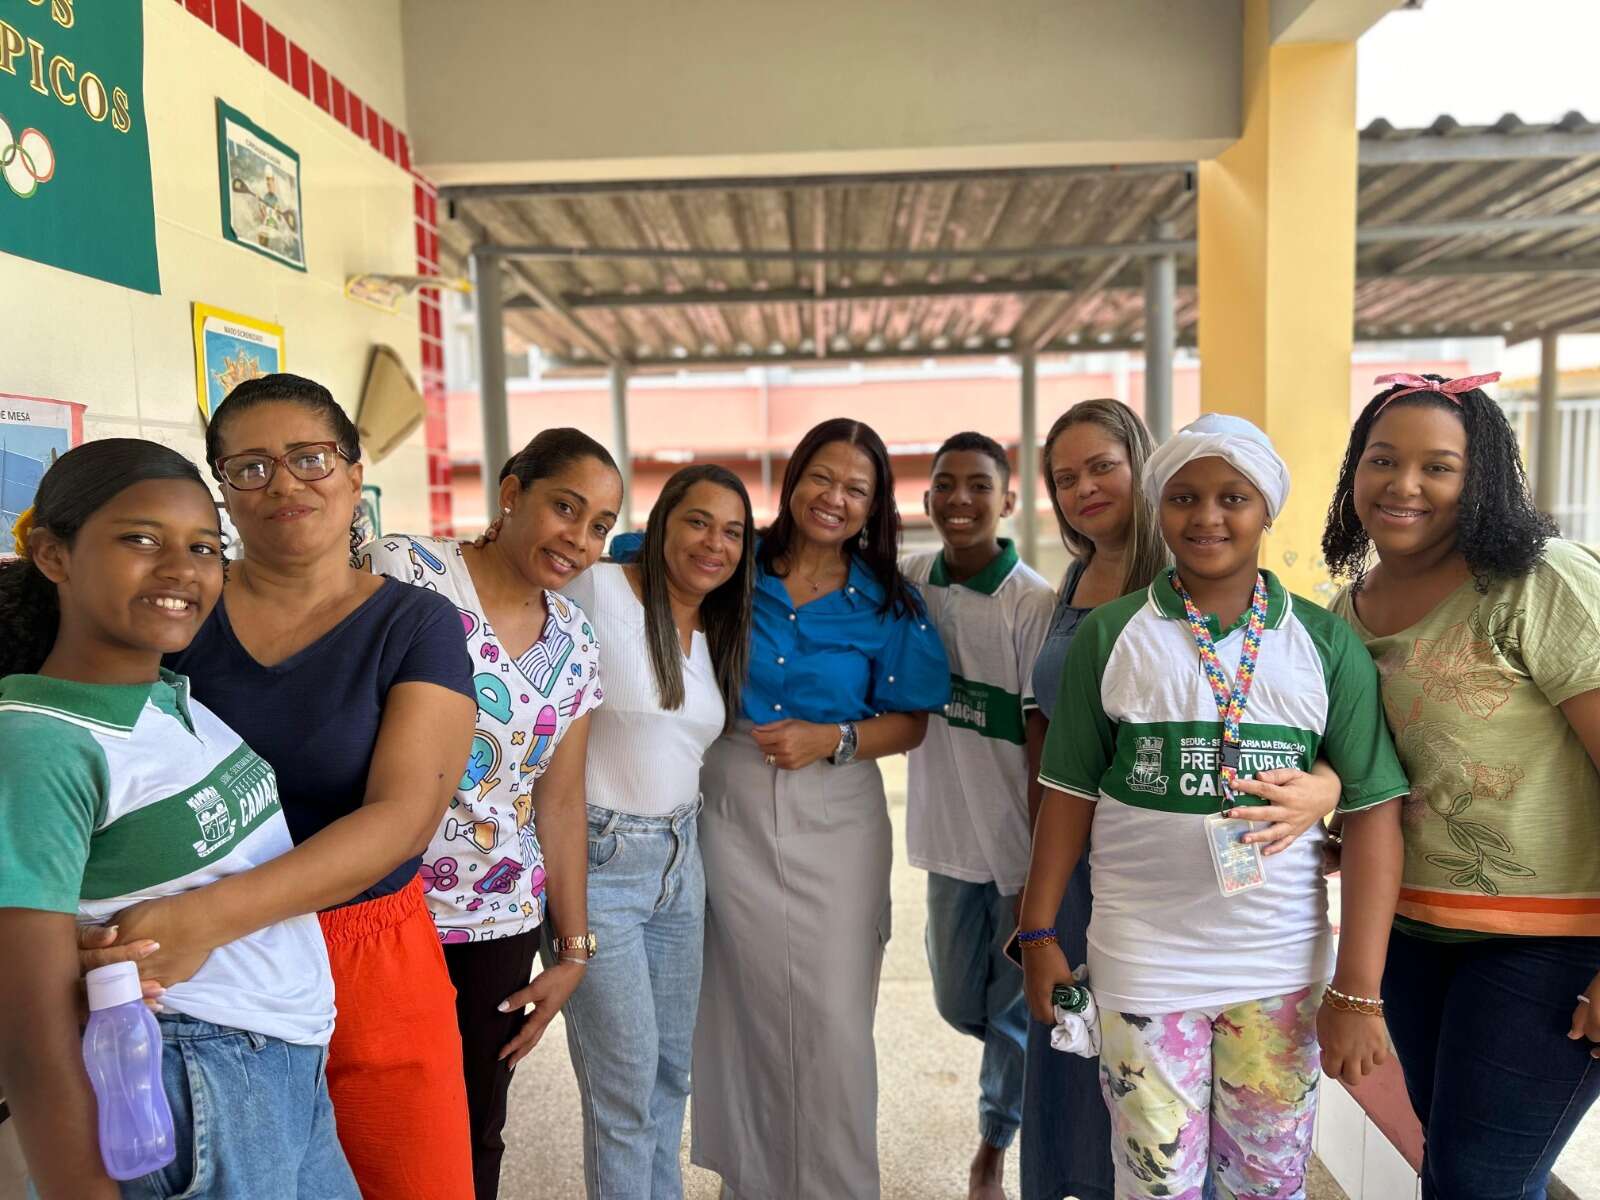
{"points": [[358, 691]]}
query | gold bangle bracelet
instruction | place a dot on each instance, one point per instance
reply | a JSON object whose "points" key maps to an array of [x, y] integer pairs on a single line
{"points": [[1367, 1006], [1047, 940]]}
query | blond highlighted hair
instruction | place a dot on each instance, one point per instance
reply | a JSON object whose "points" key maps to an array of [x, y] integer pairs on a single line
{"points": [[1147, 554]]}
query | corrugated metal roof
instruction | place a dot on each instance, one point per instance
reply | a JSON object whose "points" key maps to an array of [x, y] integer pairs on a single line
{"points": [[901, 286]]}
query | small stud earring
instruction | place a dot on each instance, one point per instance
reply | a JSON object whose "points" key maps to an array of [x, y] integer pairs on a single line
{"points": [[506, 509]]}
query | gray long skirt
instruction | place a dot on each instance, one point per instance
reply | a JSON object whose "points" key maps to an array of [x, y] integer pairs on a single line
{"points": [[785, 1084]]}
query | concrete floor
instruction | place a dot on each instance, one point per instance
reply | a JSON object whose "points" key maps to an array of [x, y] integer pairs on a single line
{"points": [[927, 1107]]}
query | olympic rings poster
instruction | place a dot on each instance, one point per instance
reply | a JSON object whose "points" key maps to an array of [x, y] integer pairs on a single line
{"points": [[260, 189], [228, 349], [75, 190]]}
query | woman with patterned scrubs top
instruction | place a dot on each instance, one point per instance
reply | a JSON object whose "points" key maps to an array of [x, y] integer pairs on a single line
{"points": [[844, 668], [537, 676]]}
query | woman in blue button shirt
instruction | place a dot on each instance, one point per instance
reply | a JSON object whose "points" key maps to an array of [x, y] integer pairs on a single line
{"points": [[844, 669]]}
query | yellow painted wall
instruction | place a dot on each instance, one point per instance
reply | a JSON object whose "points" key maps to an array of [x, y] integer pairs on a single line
{"points": [[506, 90], [130, 356], [1276, 224]]}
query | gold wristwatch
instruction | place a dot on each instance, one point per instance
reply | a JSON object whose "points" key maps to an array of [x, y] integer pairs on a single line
{"points": [[584, 943]]}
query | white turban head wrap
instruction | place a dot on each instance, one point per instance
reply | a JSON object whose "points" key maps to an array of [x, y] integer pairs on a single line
{"points": [[1217, 435]]}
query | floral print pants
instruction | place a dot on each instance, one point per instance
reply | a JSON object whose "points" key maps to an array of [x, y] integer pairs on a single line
{"points": [[1226, 1093]]}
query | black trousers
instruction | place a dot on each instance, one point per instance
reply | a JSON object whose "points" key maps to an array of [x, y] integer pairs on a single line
{"points": [[484, 974]]}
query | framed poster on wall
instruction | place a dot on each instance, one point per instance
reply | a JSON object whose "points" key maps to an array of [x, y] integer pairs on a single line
{"points": [[260, 189], [34, 432], [228, 349]]}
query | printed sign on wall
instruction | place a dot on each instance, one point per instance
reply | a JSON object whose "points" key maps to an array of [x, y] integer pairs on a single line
{"points": [[74, 150], [228, 349], [260, 189], [34, 432]]}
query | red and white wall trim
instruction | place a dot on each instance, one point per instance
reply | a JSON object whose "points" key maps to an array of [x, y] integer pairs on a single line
{"points": [[272, 48]]}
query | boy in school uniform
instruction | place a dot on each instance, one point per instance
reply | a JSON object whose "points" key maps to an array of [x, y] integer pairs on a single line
{"points": [[968, 804]]}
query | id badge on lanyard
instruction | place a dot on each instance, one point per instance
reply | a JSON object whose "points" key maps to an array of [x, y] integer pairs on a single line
{"points": [[1239, 865]]}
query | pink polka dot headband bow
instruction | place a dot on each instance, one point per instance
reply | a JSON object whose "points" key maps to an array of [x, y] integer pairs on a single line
{"points": [[1450, 389]]}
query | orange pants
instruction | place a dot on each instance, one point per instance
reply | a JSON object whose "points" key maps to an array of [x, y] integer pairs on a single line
{"points": [[394, 1065]]}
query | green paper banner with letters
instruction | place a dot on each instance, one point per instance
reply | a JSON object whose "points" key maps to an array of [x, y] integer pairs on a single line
{"points": [[74, 149]]}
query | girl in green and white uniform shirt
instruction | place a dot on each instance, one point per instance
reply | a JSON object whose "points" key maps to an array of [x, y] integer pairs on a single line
{"points": [[116, 790]]}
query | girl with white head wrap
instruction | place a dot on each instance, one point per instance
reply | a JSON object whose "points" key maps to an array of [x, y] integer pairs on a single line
{"points": [[1210, 968], [1233, 439]]}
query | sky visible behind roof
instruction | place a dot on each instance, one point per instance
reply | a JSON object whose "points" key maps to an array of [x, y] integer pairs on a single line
{"points": [[1476, 60]]}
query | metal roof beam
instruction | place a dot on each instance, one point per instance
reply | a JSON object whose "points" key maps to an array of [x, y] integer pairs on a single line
{"points": [[543, 298], [1478, 147], [809, 295], [506, 191], [1420, 231], [888, 354], [1147, 249], [1405, 231], [1447, 267], [1126, 280]]}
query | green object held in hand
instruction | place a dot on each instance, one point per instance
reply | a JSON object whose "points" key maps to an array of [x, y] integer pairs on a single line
{"points": [[1067, 996]]}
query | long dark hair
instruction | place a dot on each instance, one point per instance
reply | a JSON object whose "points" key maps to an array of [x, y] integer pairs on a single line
{"points": [[283, 388], [724, 613], [1500, 533], [1147, 554], [878, 543], [77, 485]]}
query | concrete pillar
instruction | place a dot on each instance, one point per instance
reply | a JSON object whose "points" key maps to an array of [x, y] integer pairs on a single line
{"points": [[1028, 464], [1547, 427], [1160, 339], [1277, 240], [619, 442], [491, 376]]}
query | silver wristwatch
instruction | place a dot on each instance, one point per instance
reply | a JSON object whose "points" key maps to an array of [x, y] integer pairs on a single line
{"points": [[845, 751]]}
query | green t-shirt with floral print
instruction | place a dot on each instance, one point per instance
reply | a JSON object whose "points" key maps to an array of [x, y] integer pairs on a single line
{"points": [[1502, 827]]}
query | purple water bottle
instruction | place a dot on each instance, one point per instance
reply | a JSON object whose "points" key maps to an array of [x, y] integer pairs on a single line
{"points": [[122, 1052]]}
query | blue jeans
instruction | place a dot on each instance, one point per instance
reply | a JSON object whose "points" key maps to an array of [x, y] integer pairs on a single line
{"points": [[252, 1118], [978, 990], [1481, 1032], [630, 1024], [1066, 1130]]}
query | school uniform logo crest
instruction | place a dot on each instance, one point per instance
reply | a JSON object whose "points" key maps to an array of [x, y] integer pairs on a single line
{"points": [[1146, 775], [216, 822]]}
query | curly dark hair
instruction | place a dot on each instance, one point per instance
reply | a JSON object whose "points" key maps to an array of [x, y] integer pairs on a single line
{"points": [[1500, 533], [77, 485]]}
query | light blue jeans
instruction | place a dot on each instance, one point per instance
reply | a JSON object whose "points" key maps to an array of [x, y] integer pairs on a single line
{"points": [[630, 1024], [252, 1118], [978, 990]]}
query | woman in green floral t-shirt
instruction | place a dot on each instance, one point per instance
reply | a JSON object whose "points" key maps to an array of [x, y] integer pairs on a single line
{"points": [[1485, 627]]}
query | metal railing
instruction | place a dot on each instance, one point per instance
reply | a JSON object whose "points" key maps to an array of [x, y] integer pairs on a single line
{"points": [[1577, 507]]}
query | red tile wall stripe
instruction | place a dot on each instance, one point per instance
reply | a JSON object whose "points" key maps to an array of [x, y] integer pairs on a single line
{"points": [[244, 27], [277, 52], [225, 19]]}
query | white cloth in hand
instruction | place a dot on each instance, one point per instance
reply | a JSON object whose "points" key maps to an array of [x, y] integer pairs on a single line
{"points": [[1078, 1032]]}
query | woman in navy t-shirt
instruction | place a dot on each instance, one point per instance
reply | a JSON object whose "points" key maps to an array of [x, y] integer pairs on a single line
{"points": [[358, 691]]}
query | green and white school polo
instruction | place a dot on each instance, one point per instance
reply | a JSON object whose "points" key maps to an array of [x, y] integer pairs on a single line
{"points": [[967, 799], [110, 795], [1137, 729]]}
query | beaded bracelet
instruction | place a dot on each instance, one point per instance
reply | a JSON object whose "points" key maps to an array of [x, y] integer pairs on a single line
{"points": [[1367, 1006], [1029, 936], [1048, 939]]}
